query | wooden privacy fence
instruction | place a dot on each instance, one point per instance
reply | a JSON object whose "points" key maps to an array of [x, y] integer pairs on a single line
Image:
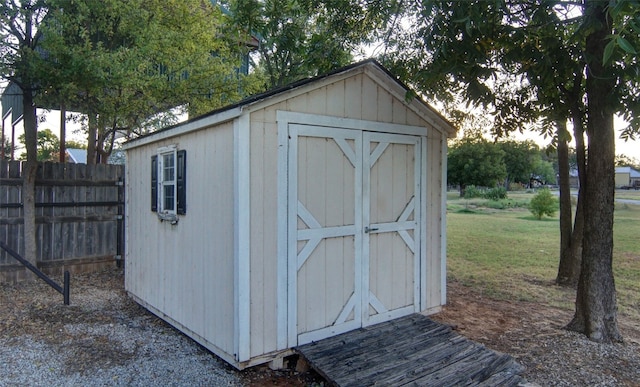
{"points": [[79, 217]]}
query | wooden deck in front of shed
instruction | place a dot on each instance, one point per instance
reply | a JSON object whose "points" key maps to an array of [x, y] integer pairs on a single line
{"points": [[412, 350]]}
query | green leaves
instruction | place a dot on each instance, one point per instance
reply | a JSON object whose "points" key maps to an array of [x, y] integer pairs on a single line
{"points": [[617, 41], [625, 45], [48, 145], [475, 161], [304, 38], [543, 203], [520, 60], [127, 60]]}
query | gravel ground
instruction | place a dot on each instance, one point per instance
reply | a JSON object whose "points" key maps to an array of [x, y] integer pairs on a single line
{"points": [[101, 339], [105, 339]]}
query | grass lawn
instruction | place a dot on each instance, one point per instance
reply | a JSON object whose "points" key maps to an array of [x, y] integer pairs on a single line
{"points": [[628, 194], [503, 251]]}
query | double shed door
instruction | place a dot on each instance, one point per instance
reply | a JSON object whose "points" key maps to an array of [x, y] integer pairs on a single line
{"points": [[354, 227]]}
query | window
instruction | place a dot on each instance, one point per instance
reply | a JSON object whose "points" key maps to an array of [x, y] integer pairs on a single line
{"points": [[168, 183]]}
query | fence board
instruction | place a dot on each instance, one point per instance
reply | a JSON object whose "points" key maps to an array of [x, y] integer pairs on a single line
{"points": [[77, 212]]}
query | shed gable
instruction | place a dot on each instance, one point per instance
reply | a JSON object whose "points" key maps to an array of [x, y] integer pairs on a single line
{"points": [[364, 93]]}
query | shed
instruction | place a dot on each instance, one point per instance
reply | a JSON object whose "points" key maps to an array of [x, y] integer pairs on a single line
{"points": [[627, 177], [292, 216]]}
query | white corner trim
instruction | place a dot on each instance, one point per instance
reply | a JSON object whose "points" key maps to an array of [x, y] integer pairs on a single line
{"points": [[242, 235], [292, 253], [282, 239], [443, 224], [424, 231]]}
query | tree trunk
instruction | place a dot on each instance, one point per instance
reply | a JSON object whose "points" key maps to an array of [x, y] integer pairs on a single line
{"points": [[29, 170], [567, 273], [596, 309], [63, 134], [578, 223], [91, 138]]}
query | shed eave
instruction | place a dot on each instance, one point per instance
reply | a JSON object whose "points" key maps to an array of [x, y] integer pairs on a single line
{"points": [[186, 127]]}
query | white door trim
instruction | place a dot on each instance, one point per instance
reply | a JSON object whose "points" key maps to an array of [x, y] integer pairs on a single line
{"points": [[348, 123]]}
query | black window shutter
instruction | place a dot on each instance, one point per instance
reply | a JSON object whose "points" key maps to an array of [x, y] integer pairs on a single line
{"points": [[182, 182], [154, 183]]}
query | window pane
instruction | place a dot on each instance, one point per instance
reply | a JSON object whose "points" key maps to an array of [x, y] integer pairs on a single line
{"points": [[169, 167], [169, 197]]}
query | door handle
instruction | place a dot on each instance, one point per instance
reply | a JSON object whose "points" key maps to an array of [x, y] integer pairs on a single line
{"points": [[368, 230]]}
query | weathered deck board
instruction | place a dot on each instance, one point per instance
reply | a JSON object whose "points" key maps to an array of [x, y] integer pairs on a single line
{"points": [[412, 350]]}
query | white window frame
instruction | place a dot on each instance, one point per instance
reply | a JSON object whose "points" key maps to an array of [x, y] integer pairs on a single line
{"points": [[164, 213]]}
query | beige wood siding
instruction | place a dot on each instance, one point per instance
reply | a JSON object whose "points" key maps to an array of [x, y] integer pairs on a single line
{"points": [[327, 191], [356, 97], [186, 271], [622, 179], [392, 187]]}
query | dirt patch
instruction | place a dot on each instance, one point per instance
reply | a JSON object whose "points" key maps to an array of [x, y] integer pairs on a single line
{"points": [[533, 334], [493, 322]]}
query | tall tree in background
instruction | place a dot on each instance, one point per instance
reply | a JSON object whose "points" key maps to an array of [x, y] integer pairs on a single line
{"points": [[47, 145], [482, 50], [124, 62], [626, 161], [304, 38], [475, 161], [519, 158], [20, 64]]}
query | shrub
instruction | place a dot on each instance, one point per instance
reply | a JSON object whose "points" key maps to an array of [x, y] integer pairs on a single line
{"points": [[472, 191], [495, 193], [543, 203]]}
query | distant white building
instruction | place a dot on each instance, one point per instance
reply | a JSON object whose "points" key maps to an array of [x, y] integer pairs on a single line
{"points": [[627, 177]]}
